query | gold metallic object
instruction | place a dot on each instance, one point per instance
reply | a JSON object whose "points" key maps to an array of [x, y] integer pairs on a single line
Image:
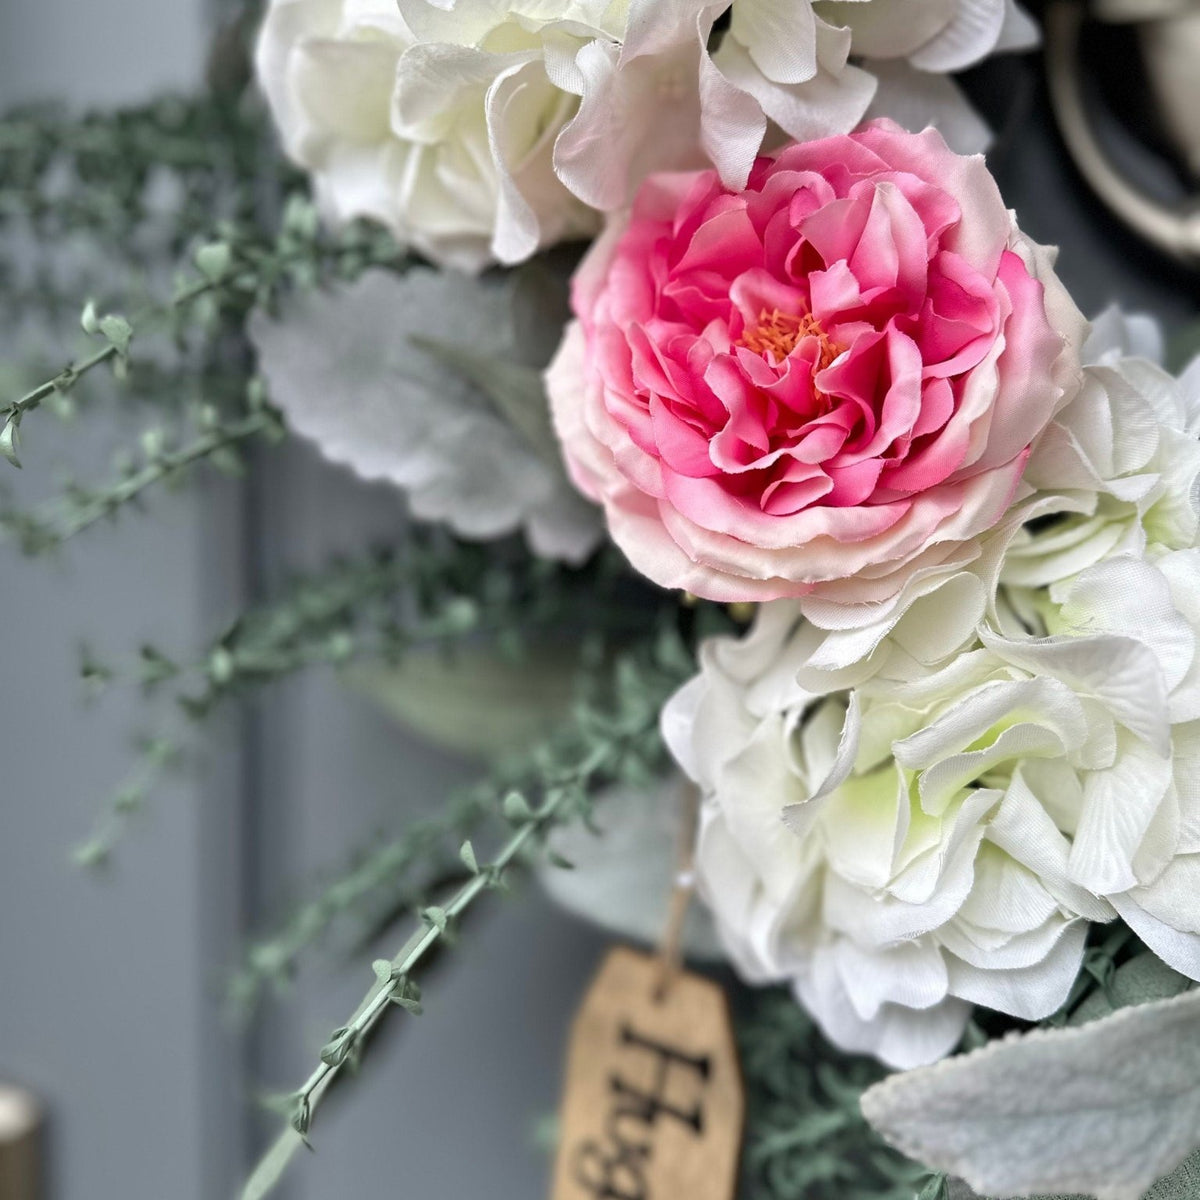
{"points": [[1169, 32], [20, 1145]]}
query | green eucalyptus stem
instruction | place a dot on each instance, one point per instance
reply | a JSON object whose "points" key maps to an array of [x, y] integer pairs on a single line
{"points": [[170, 464], [393, 984], [238, 267], [616, 739], [40, 532], [119, 333]]}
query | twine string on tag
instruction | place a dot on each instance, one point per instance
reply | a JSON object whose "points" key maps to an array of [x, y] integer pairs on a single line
{"points": [[670, 944]]}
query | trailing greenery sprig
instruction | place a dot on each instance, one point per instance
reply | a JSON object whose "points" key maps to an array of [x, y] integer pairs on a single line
{"points": [[63, 174], [156, 756], [238, 270], [616, 739], [382, 878], [79, 507]]}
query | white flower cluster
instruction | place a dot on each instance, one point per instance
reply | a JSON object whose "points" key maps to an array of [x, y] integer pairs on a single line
{"points": [[482, 130], [932, 825]]}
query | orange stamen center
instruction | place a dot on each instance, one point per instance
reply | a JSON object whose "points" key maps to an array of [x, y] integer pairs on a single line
{"points": [[779, 333]]}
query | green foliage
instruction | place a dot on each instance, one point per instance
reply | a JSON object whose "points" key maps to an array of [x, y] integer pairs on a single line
{"points": [[806, 1137], [156, 756], [254, 269], [398, 873], [215, 443], [614, 736], [63, 174]]}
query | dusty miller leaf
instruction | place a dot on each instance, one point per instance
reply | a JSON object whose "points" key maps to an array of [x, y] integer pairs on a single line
{"points": [[1105, 1108], [516, 391]]}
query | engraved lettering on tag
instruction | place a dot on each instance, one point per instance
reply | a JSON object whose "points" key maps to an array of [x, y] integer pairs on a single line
{"points": [[653, 1103], [615, 1169]]}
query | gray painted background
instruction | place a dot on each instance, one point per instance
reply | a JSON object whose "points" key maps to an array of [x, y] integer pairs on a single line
{"points": [[108, 989]]}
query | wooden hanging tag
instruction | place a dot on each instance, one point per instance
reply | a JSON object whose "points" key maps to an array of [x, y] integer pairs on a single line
{"points": [[654, 1105]]}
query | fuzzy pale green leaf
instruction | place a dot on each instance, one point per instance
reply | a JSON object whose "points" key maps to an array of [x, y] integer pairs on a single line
{"points": [[1105, 1108]]}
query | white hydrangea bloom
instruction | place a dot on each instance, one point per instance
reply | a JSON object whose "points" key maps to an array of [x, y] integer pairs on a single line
{"points": [[1124, 636], [885, 849], [1118, 470], [481, 131], [355, 371]]}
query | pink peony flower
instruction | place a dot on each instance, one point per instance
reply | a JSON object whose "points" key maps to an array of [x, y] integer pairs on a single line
{"points": [[820, 385]]}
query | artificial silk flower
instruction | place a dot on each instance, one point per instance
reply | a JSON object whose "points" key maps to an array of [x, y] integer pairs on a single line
{"points": [[886, 850], [368, 372], [480, 132], [454, 154], [1118, 470], [825, 386], [651, 96], [1123, 636]]}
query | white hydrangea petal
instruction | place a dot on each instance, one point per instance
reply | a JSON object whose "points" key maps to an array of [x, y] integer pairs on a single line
{"points": [[1019, 31], [285, 24], [1024, 829], [902, 1038], [1124, 594], [1116, 334], [865, 823], [463, 24], [916, 99], [893, 30], [911, 974], [972, 34], [1122, 673], [907, 1038], [1007, 898], [830, 102], [608, 148], [1030, 993], [320, 70], [1178, 949], [1189, 388], [1119, 804], [779, 35], [757, 784], [518, 232], [732, 125]]}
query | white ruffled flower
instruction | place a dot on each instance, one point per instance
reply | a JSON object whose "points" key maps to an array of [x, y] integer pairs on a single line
{"points": [[1124, 637], [651, 97], [474, 130], [1118, 470], [884, 849], [935, 839], [453, 152], [369, 373]]}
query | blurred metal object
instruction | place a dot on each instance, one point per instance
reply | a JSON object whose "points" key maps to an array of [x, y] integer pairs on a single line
{"points": [[20, 1145], [1169, 32]]}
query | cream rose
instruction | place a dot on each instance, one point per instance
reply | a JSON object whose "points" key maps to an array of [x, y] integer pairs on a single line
{"points": [[479, 132], [450, 148]]}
